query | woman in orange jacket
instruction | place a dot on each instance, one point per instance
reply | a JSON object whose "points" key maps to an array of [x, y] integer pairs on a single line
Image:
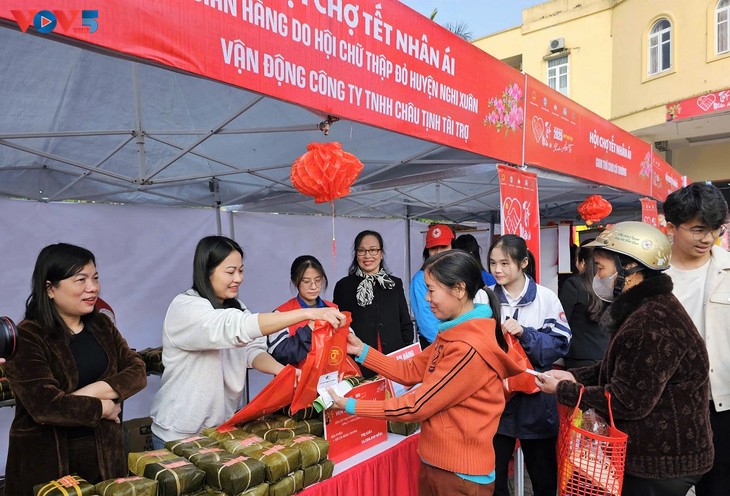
{"points": [[461, 396]]}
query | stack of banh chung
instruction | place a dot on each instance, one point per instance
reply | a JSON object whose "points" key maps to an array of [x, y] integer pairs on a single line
{"points": [[275, 455]]}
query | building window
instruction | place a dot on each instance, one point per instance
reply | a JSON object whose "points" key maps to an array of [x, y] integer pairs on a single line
{"points": [[660, 47], [722, 21], [558, 74]]}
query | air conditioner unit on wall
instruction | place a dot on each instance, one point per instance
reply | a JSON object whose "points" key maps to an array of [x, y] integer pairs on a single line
{"points": [[557, 44]]}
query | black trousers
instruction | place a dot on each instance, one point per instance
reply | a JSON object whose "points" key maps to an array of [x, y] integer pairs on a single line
{"points": [[716, 482], [637, 486], [540, 461]]}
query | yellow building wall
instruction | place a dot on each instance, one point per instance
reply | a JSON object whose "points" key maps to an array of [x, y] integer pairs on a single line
{"points": [[704, 163], [694, 70], [585, 25], [503, 45]]}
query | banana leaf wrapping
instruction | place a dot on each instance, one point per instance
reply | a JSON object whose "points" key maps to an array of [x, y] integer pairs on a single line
{"points": [[228, 434], [403, 428], [312, 449], [289, 485], [318, 472], [245, 446], [260, 490], [278, 434], [279, 460], [5, 392], [179, 445], [303, 414], [267, 422], [128, 486], [137, 461], [152, 358], [175, 476], [203, 455], [281, 433], [235, 475], [314, 427], [207, 491], [69, 485]]}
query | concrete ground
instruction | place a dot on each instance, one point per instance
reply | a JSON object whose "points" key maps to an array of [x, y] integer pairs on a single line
{"points": [[528, 487]]}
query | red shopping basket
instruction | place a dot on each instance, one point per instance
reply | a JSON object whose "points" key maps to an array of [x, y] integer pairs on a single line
{"points": [[589, 464]]}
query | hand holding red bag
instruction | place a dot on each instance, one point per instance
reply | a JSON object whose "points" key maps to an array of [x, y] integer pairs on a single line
{"points": [[520, 383], [328, 354]]}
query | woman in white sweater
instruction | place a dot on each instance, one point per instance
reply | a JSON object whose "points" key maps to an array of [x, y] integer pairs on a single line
{"points": [[210, 339]]}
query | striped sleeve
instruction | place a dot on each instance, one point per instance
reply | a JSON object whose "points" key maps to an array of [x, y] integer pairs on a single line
{"points": [[450, 383]]}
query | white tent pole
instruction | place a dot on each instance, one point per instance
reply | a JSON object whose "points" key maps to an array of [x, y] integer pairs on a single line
{"points": [[141, 161]]}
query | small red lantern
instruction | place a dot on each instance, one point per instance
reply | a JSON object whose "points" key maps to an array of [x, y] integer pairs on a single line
{"points": [[325, 172], [594, 208]]}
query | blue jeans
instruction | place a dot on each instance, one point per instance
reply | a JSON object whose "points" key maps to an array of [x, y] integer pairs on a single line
{"points": [[157, 443]]}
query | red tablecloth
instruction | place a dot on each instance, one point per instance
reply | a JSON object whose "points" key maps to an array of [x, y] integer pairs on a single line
{"points": [[391, 471]]}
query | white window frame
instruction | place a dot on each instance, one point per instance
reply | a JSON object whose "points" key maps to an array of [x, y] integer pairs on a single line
{"points": [[722, 27], [656, 44], [561, 69]]}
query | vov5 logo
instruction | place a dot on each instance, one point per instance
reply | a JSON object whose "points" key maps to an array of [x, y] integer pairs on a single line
{"points": [[46, 21]]}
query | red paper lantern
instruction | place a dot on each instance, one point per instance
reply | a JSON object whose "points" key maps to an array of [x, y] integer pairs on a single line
{"points": [[325, 172], [594, 208]]}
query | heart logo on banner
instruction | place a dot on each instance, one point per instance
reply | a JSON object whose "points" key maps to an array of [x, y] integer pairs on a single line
{"points": [[538, 128], [512, 215], [706, 101]]}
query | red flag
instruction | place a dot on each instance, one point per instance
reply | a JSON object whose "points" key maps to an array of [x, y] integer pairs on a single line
{"points": [[520, 209]]}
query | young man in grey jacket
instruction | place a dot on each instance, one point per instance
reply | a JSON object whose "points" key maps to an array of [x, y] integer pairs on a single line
{"points": [[696, 216]]}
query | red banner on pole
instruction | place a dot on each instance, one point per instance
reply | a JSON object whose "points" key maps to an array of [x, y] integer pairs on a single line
{"points": [[709, 103], [649, 212], [520, 209]]}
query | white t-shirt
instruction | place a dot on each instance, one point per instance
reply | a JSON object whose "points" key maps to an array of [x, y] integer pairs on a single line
{"points": [[689, 288]]}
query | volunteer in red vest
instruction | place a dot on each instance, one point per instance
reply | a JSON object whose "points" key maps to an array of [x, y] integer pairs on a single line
{"points": [[291, 344]]}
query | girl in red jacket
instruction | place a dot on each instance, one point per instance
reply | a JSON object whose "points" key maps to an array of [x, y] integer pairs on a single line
{"points": [[461, 396]]}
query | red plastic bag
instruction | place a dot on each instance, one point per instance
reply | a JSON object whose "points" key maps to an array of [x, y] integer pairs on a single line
{"points": [[328, 354], [275, 396], [523, 382]]}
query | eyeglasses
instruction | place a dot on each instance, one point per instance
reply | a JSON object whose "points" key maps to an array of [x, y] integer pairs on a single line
{"points": [[699, 233], [317, 282], [373, 252]]}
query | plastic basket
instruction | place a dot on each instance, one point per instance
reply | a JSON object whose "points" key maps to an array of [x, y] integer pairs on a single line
{"points": [[589, 464]]}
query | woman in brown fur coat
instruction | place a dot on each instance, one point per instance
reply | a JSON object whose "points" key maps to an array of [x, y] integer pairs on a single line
{"points": [[656, 366], [71, 371]]}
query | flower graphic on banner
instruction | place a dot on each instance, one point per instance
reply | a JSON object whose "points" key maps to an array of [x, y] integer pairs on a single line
{"points": [[646, 167], [507, 110]]}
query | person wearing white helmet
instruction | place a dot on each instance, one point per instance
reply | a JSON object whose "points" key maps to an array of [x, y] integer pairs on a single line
{"points": [[656, 366]]}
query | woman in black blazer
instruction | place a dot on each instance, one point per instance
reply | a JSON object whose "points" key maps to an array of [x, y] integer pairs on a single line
{"points": [[375, 298]]}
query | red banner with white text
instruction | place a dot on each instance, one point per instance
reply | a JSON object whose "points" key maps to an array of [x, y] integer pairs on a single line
{"points": [[649, 212], [562, 135], [373, 61], [664, 179], [520, 209], [699, 106]]}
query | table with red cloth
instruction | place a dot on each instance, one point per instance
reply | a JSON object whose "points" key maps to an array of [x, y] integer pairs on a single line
{"points": [[389, 468]]}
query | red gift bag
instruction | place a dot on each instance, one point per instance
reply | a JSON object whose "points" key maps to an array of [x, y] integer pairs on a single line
{"points": [[523, 382], [276, 395], [328, 354]]}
